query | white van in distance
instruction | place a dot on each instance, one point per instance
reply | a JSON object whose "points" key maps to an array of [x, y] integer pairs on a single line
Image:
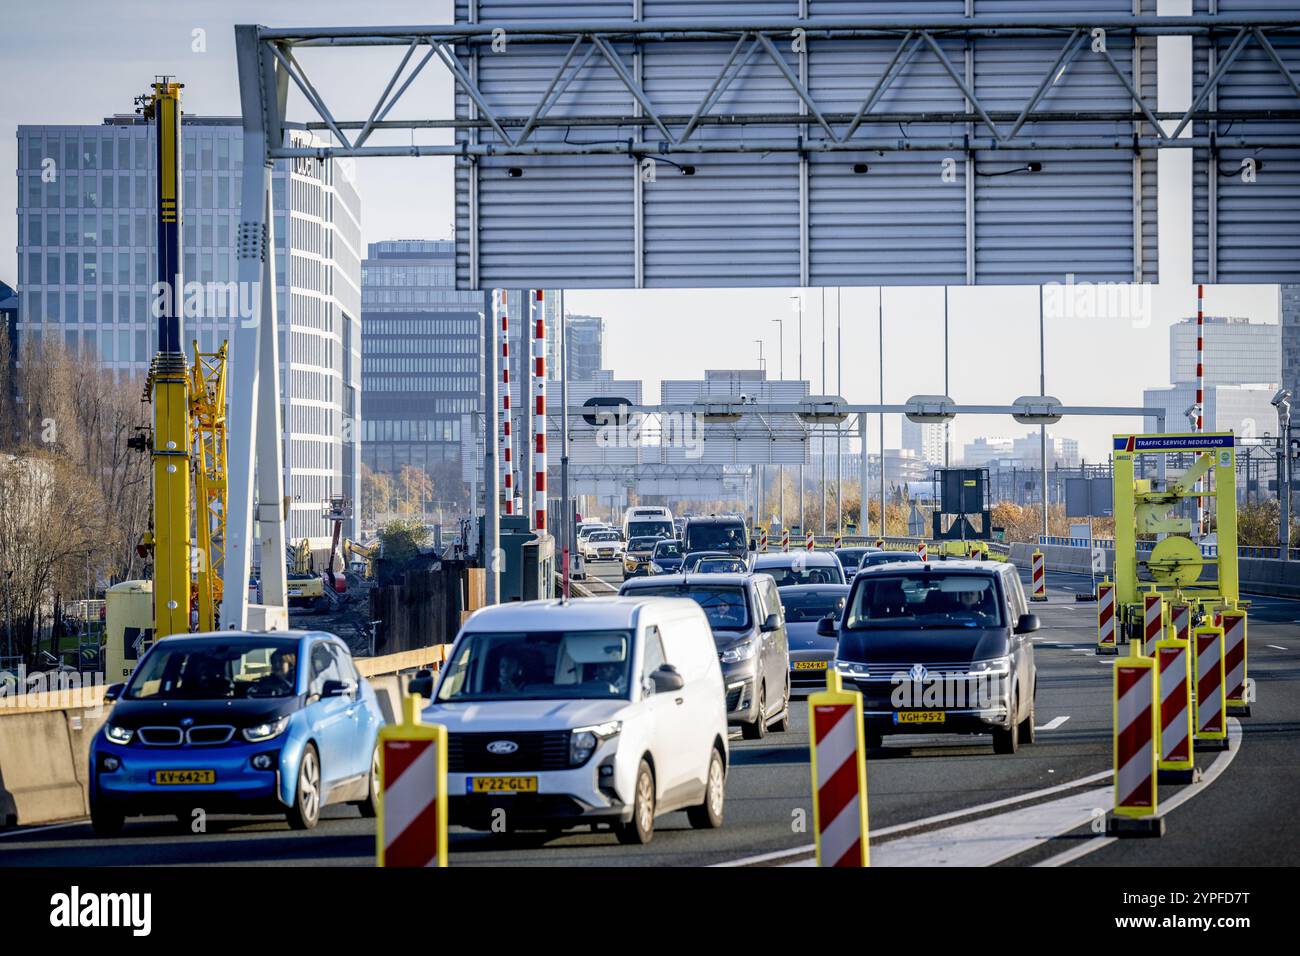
{"points": [[604, 710]]}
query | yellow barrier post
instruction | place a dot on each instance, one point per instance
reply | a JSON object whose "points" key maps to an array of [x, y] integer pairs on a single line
{"points": [[1174, 667], [411, 828], [1236, 686], [1137, 734], [839, 775]]}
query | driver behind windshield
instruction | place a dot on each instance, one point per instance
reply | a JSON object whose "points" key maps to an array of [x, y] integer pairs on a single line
{"points": [[283, 676]]}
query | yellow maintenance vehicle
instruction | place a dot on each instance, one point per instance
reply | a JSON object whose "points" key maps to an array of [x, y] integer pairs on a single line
{"points": [[1154, 549], [305, 585]]}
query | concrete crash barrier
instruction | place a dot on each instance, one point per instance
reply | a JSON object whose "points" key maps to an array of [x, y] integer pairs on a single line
{"points": [[45, 739], [39, 782]]}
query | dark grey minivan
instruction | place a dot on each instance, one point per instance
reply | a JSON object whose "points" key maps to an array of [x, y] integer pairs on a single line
{"points": [[940, 648]]}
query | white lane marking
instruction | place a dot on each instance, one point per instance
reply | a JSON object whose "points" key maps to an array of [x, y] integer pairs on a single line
{"points": [[930, 821], [1211, 774], [25, 831], [990, 840], [1053, 723], [1277, 647]]}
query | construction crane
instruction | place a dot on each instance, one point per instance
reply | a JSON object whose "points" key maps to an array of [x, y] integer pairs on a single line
{"points": [[208, 428], [168, 382]]}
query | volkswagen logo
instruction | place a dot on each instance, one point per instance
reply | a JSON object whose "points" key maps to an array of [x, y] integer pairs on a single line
{"points": [[502, 747], [918, 672]]}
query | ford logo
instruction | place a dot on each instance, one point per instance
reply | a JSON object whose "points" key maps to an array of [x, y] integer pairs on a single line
{"points": [[502, 747], [918, 672]]}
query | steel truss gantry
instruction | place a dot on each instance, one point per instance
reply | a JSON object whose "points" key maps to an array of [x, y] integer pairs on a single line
{"points": [[650, 129]]}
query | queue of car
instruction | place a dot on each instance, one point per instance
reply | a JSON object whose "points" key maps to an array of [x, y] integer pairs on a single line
{"points": [[608, 712]]}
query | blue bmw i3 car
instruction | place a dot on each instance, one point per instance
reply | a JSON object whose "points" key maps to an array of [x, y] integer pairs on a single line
{"points": [[238, 723]]}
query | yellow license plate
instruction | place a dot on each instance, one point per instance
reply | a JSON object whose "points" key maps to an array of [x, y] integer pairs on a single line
{"points": [[183, 778], [919, 717], [502, 785], [807, 665]]}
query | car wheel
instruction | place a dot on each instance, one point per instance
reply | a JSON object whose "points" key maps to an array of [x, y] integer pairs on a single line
{"points": [[1028, 734], [641, 828], [305, 812], [708, 815], [782, 724], [369, 807], [757, 729], [1008, 741], [106, 821]]}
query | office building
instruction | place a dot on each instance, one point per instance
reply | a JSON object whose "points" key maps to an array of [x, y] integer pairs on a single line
{"points": [[586, 347], [87, 254], [927, 440], [421, 351]]}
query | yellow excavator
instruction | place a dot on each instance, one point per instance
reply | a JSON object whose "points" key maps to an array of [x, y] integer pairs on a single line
{"points": [[306, 587]]}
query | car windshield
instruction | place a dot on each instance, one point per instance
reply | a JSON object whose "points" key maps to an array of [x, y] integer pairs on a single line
{"points": [[787, 576], [182, 668], [716, 537], [724, 606], [650, 528], [924, 599], [603, 536], [668, 549], [887, 557], [720, 566], [803, 606], [851, 555], [643, 544], [539, 665]]}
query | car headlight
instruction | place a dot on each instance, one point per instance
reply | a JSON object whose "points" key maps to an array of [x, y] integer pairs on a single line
{"points": [[656, 567], [118, 735], [266, 731], [994, 667], [853, 668], [738, 652], [583, 741]]}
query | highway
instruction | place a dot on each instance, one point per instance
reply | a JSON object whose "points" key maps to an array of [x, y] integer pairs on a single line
{"points": [[938, 801]]}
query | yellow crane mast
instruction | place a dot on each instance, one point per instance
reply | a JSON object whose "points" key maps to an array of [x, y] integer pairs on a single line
{"points": [[208, 428]]}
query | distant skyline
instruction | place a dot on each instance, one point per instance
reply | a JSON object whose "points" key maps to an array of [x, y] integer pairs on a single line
{"points": [[103, 55]]}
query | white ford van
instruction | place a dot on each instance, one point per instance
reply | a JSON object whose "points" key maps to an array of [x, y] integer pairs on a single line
{"points": [[604, 710]]}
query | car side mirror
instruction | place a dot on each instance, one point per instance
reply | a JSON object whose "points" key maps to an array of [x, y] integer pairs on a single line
{"points": [[421, 685], [339, 688], [667, 679], [826, 627], [753, 545], [1027, 624], [771, 622], [113, 692]]}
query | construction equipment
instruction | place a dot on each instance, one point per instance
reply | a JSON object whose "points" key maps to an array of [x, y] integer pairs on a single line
{"points": [[354, 554], [168, 380], [963, 497], [336, 509], [305, 585], [208, 429]]}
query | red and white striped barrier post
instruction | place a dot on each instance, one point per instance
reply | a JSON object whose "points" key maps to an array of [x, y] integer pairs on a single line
{"points": [[923, 552], [1180, 617], [412, 819], [880, 543], [839, 775], [1038, 577], [1136, 741], [1106, 643], [1153, 612], [837, 541], [1235, 685], [762, 540], [1174, 664], [808, 542], [1211, 719], [785, 539], [507, 439], [539, 413]]}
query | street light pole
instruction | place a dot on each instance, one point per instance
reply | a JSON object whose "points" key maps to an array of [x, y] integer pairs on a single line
{"points": [[566, 506]]}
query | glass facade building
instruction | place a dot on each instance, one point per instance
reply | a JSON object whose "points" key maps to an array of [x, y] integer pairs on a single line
{"points": [[87, 265], [421, 351]]}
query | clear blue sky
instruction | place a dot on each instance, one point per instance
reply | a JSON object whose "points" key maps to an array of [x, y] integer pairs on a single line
{"points": [[76, 61]]}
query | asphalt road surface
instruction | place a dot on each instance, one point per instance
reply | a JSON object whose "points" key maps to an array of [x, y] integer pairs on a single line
{"points": [[932, 800]]}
